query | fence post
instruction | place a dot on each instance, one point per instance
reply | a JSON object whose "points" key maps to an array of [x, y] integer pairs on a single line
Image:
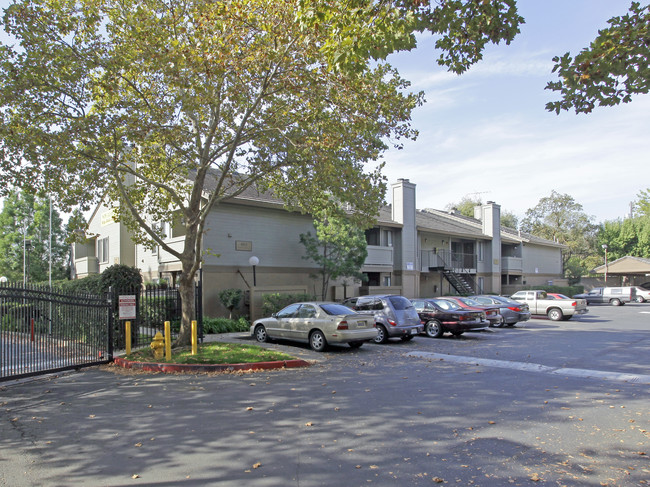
{"points": [[109, 310]]}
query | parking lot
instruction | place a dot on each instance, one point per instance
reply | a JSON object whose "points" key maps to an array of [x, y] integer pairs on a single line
{"points": [[554, 403]]}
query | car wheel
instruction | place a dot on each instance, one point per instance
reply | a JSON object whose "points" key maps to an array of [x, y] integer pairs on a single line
{"points": [[555, 314], [639, 299], [382, 334], [616, 302], [260, 334], [407, 338], [434, 329], [355, 344], [500, 323], [317, 341]]}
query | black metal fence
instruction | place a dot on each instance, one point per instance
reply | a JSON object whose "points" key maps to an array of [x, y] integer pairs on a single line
{"points": [[154, 306], [43, 330]]}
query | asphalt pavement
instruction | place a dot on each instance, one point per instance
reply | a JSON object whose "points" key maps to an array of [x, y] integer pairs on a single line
{"points": [[487, 409]]}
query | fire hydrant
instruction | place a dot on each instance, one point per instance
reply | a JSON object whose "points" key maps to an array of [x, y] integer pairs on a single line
{"points": [[158, 345]]}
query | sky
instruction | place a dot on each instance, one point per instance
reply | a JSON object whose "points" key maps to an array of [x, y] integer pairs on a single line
{"points": [[486, 134]]}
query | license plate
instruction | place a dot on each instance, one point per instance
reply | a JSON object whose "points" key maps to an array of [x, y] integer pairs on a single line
{"points": [[414, 331], [361, 324]]}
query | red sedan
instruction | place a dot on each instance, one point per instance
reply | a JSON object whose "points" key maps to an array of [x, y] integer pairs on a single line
{"points": [[491, 312]]}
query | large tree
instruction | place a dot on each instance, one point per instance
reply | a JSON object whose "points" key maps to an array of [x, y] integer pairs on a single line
{"points": [[611, 70], [630, 236], [168, 107], [560, 218], [26, 218]]}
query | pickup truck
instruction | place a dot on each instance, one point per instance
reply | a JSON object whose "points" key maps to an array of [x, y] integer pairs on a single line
{"points": [[555, 309]]}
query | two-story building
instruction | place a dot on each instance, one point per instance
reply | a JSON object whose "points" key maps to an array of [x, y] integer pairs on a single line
{"points": [[417, 253]]}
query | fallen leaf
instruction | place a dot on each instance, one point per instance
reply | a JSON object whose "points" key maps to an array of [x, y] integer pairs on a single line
{"points": [[257, 465], [438, 480], [135, 476], [535, 477], [309, 424], [138, 445], [249, 408], [373, 467]]}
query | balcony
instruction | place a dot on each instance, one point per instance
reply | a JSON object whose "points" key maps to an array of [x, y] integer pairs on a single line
{"points": [[447, 260], [86, 266], [512, 264], [379, 256]]}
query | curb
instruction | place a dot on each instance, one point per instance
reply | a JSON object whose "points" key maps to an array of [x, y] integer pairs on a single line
{"points": [[174, 368]]}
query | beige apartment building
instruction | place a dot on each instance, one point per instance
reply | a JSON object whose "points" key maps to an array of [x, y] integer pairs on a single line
{"points": [[416, 253]]}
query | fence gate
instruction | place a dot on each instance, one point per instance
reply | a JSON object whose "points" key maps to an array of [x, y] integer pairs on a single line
{"points": [[44, 331]]}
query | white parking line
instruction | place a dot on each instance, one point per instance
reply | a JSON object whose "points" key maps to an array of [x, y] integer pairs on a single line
{"points": [[528, 367]]}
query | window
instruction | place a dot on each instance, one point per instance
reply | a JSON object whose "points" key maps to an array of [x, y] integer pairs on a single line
{"points": [[388, 238], [102, 250], [372, 236], [480, 251], [386, 281]]}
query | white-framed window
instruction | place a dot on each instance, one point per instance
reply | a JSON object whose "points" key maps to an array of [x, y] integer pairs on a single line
{"points": [[102, 250], [481, 250], [387, 281], [388, 238], [481, 285]]}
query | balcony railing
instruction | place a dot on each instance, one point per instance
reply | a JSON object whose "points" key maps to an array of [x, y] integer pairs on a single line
{"points": [[512, 264], [445, 259], [379, 255]]}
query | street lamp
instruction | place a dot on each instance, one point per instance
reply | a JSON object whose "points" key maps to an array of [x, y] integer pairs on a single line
{"points": [[605, 249], [254, 261]]}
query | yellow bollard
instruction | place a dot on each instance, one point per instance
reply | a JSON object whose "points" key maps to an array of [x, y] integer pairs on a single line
{"points": [[127, 331], [168, 341], [194, 337]]}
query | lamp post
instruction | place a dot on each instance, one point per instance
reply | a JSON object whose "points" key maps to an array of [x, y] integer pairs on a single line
{"points": [[254, 261], [605, 249]]}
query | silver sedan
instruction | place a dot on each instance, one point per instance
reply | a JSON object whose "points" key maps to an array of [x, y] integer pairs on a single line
{"points": [[316, 323]]}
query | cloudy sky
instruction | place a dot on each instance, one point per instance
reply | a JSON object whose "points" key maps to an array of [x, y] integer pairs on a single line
{"points": [[486, 133]]}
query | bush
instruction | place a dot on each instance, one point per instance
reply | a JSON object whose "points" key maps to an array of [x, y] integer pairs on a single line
{"points": [[224, 325], [121, 277], [272, 303], [91, 285]]}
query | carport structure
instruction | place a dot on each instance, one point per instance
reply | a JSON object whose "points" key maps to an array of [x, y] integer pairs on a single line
{"points": [[629, 270]]}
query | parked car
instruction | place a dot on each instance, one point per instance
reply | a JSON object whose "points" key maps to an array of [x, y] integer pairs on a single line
{"points": [[556, 309], [616, 296], [491, 311], [316, 323], [394, 316], [440, 315], [640, 294], [512, 311]]}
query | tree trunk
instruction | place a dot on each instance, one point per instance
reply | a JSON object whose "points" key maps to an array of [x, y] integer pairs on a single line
{"points": [[186, 288]]}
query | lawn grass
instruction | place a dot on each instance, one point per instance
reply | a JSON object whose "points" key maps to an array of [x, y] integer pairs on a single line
{"points": [[213, 353]]}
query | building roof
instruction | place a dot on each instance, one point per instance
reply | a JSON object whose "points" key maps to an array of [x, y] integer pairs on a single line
{"points": [[454, 223], [625, 266]]}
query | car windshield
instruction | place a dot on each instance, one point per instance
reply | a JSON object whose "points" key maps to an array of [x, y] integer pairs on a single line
{"points": [[470, 302], [446, 305], [336, 309], [400, 303], [507, 300]]}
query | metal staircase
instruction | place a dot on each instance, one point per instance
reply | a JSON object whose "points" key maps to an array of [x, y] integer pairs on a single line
{"points": [[459, 283]]}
